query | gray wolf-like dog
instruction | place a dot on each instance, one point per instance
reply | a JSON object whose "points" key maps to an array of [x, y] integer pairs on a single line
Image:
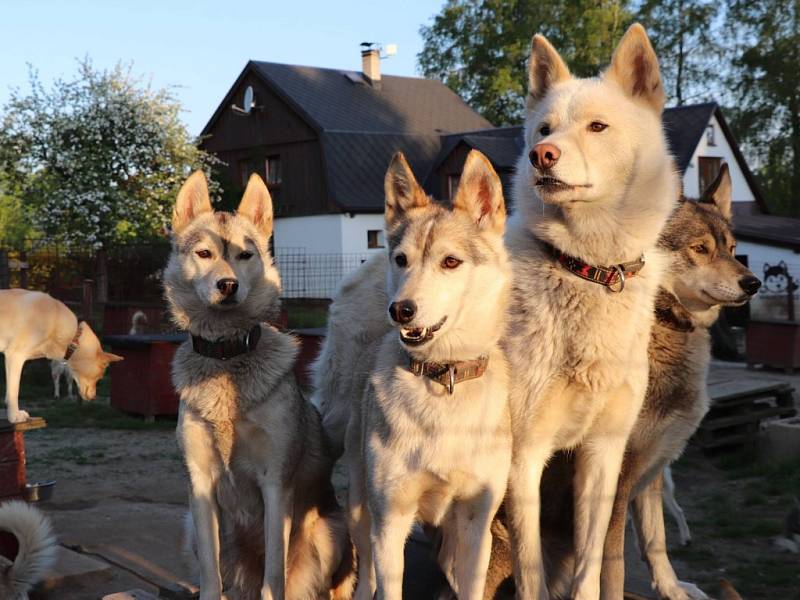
{"points": [[264, 519]]}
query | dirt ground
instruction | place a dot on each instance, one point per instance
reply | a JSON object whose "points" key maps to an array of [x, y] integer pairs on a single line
{"points": [[121, 497]]}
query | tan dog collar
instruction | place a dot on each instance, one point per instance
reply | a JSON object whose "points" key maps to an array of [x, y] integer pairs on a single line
{"points": [[449, 374]]}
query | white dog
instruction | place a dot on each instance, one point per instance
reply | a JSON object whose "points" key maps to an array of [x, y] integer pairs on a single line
{"points": [[593, 190], [432, 438]]}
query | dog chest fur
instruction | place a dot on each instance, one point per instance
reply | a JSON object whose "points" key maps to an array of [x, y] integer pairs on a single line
{"points": [[418, 431]]}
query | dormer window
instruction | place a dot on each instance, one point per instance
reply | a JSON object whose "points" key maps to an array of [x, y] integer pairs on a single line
{"points": [[710, 135]]}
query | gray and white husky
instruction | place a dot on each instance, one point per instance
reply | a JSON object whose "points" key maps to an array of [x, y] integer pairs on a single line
{"points": [[430, 438], [264, 519]]}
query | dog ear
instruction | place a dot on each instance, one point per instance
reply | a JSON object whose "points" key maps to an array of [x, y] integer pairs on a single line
{"points": [[193, 201], [545, 69], [480, 193], [719, 192], [108, 357], [402, 190], [634, 67], [256, 204]]}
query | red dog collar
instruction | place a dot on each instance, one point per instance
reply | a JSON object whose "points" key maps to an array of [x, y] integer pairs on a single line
{"points": [[73, 345], [607, 276]]}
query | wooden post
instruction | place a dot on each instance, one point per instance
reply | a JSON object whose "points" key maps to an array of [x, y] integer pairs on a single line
{"points": [[23, 270], [13, 475], [5, 271], [87, 304]]}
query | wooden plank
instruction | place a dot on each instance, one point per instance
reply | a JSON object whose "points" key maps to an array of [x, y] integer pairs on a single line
{"points": [[753, 416], [732, 390], [30, 424]]}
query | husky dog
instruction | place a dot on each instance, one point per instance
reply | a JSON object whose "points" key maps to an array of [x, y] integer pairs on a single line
{"points": [[37, 549], [265, 522], [36, 325], [593, 189], [702, 276], [432, 438]]}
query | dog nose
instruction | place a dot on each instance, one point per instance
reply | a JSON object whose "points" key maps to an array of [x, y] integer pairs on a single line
{"points": [[750, 284], [403, 311], [545, 156], [227, 286]]}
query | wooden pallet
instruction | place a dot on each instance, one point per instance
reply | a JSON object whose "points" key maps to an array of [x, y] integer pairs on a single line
{"points": [[739, 407]]}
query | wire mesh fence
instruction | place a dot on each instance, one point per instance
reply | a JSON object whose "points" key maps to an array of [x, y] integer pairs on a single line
{"points": [[134, 271], [314, 275]]}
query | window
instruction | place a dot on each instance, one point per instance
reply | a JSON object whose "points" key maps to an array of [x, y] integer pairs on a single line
{"points": [[246, 168], [452, 185], [375, 238], [710, 135], [273, 170], [707, 170]]}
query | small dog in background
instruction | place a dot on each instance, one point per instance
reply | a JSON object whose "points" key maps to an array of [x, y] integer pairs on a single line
{"points": [[59, 369], [138, 323]]}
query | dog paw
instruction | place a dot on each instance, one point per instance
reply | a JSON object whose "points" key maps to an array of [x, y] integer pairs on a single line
{"points": [[18, 416], [680, 590], [692, 591]]}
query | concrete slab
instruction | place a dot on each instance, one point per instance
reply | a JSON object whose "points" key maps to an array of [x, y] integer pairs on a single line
{"points": [[131, 595], [72, 565]]}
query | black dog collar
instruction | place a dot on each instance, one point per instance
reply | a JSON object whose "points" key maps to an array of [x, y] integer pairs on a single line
{"points": [[227, 348]]}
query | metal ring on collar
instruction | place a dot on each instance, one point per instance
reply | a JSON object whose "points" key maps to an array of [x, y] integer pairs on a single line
{"points": [[451, 383], [621, 274]]}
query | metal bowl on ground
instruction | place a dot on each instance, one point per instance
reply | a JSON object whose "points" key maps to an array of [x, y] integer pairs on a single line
{"points": [[39, 491]]}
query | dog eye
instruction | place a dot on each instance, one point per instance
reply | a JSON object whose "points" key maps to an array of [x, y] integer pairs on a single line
{"points": [[544, 130], [597, 126], [401, 260], [451, 262], [204, 253], [700, 249], [246, 255]]}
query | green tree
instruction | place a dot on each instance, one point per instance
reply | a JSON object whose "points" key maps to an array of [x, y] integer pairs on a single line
{"points": [[687, 39], [98, 159], [480, 48], [765, 80]]}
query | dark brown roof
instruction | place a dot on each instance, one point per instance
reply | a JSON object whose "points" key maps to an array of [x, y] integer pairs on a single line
{"points": [[343, 101], [361, 125], [769, 229]]}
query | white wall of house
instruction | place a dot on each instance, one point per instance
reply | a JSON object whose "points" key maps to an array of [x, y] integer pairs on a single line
{"points": [[317, 234], [770, 303], [315, 252], [354, 232], [721, 149]]}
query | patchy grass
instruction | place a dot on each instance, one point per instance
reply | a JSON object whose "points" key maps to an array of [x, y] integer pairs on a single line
{"points": [[307, 317], [36, 396], [736, 505]]}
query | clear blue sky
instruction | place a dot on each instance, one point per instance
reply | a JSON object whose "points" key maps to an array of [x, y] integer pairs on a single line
{"points": [[202, 46]]}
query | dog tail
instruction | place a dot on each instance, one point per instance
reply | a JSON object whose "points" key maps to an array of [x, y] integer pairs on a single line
{"points": [[728, 591], [36, 543]]}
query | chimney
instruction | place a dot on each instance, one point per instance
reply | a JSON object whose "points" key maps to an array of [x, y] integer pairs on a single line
{"points": [[371, 65]]}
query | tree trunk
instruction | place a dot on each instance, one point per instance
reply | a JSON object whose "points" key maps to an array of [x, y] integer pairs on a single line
{"points": [[679, 74]]}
